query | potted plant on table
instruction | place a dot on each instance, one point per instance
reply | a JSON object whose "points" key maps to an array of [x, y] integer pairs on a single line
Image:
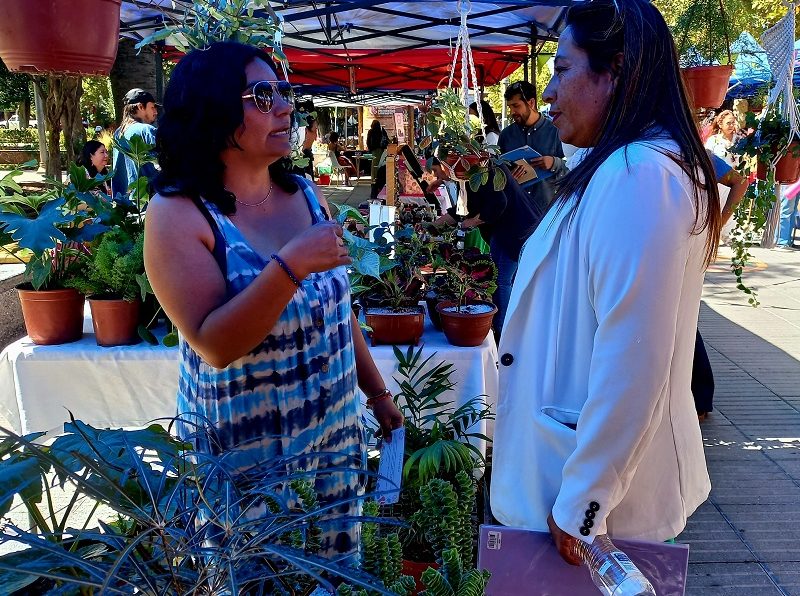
{"points": [[465, 306], [702, 35], [53, 226], [391, 300], [114, 281]]}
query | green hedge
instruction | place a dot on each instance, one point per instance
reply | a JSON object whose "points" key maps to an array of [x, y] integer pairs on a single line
{"points": [[25, 136]]}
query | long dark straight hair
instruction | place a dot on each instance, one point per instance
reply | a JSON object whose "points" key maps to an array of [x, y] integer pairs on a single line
{"points": [[203, 109], [649, 100]]}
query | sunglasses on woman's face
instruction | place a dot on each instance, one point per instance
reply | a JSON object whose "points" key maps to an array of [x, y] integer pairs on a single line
{"points": [[263, 94]]}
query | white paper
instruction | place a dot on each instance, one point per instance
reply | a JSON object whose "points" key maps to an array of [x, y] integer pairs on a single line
{"points": [[390, 468]]}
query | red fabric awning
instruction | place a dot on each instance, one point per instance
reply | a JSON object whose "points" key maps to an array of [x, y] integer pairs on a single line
{"points": [[415, 69]]}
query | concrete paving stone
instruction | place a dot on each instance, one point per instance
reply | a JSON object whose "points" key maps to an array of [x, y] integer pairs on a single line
{"points": [[720, 575]]}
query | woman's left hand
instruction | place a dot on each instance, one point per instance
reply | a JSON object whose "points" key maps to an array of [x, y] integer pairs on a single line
{"points": [[388, 416]]}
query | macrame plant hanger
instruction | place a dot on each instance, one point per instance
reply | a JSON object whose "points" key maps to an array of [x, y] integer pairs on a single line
{"points": [[467, 67], [778, 42]]}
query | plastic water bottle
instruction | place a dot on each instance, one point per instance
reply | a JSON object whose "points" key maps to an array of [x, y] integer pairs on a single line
{"points": [[612, 571]]}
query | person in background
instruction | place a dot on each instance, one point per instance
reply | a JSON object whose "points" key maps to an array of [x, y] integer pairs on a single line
{"points": [[94, 159], [377, 139], [531, 128], [311, 136], [243, 260], [491, 130], [595, 412], [139, 111], [505, 218], [336, 148], [724, 133]]}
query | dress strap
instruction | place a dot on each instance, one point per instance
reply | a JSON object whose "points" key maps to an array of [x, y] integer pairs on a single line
{"points": [[318, 214]]}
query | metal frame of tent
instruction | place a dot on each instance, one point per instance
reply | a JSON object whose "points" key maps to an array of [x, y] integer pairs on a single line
{"points": [[363, 36]]}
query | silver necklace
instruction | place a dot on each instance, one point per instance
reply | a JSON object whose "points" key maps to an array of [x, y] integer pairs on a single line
{"points": [[261, 202]]}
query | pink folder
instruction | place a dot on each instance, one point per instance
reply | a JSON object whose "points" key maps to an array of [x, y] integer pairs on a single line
{"points": [[526, 563]]}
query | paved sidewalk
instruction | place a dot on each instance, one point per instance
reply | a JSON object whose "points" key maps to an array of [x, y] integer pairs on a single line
{"points": [[746, 539]]}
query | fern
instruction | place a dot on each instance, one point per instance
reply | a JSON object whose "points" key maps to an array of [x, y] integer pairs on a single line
{"points": [[113, 268]]}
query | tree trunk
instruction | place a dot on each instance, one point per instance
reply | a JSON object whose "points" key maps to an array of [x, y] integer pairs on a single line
{"points": [[132, 70], [72, 122], [25, 111]]}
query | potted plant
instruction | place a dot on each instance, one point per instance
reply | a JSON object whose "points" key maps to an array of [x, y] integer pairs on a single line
{"points": [[53, 226], [770, 142], [454, 142], [442, 441], [114, 281], [470, 280], [702, 35], [178, 525], [40, 36], [391, 300]]}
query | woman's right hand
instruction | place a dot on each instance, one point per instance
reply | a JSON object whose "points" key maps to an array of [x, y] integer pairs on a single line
{"points": [[318, 248]]}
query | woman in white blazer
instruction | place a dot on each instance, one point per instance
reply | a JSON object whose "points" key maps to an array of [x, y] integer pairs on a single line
{"points": [[596, 430]]}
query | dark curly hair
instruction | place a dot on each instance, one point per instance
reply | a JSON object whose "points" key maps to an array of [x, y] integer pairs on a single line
{"points": [[202, 111]]}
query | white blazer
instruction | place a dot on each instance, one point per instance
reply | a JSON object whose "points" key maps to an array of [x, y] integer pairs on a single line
{"points": [[600, 333]]}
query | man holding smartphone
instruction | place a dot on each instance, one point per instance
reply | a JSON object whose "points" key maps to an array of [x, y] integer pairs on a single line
{"points": [[531, 128]]}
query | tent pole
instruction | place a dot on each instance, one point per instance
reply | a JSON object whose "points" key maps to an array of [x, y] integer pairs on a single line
{"points": [[38, 98], [534, 58]]}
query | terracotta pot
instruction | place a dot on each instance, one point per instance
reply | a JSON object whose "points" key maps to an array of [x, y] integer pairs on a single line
{"points": [[40, 36], [787, 170], [52, 316], [401, 327], [415, 569], [706, 86], [463, 328], [115, 321], [460, 164]]}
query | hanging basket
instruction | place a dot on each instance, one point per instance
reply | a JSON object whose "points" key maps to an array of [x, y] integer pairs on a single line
{"points": [[706, 86], [787, 170], [63, 36]]}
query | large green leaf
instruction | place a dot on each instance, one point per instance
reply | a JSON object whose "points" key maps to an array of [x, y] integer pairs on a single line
{"points": [[18, 476], [40, 233]]}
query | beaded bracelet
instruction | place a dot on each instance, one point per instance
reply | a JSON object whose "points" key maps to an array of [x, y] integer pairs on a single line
{"points": [[285, 267], [371, 401]]}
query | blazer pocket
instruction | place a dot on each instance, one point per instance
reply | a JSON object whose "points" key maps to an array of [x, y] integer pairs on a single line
{"points": [[562, 416]]}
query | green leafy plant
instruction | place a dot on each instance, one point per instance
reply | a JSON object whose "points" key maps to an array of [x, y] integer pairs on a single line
{"points": [[251, 22], [703, 32], [402, 254], [115, 268], [769, 140], [446, 518], [468, 275], [181, 525], [454, 142], [53, 225], [382, 556]]}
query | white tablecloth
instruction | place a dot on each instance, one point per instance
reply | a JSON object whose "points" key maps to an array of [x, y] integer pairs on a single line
{"points": [[133, 385]]}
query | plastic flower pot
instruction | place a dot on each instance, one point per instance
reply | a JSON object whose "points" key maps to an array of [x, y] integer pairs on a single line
{"points": [[395, 326], [787, 170], [52, 316], [40, 36], [706, 86], [467, 326], [115, 321]]}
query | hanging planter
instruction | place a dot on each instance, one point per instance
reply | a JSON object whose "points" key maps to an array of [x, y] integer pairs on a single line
{"points": [[706, 86], [41, 36], [787, 168]]}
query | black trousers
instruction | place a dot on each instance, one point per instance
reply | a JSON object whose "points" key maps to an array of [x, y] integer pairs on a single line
{"points": [[702, 377]]}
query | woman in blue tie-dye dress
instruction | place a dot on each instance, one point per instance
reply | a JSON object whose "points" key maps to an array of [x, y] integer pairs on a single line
{"points": [[241, 257]]}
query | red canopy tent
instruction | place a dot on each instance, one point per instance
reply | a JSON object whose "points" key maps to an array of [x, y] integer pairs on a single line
{"points": [[417, 69]]}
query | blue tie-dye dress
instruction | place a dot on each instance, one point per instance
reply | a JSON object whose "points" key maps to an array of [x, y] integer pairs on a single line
{"points": [[294, 394]]}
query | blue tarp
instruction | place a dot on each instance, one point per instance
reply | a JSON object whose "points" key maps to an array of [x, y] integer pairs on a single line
{"points": [[751, 69]]}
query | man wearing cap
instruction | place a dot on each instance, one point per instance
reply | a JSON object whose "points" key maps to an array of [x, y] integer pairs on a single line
{"points": [[139, 111]]}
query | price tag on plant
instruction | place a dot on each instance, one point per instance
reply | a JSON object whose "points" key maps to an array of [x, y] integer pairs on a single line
{"points": [[390, 468]]}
